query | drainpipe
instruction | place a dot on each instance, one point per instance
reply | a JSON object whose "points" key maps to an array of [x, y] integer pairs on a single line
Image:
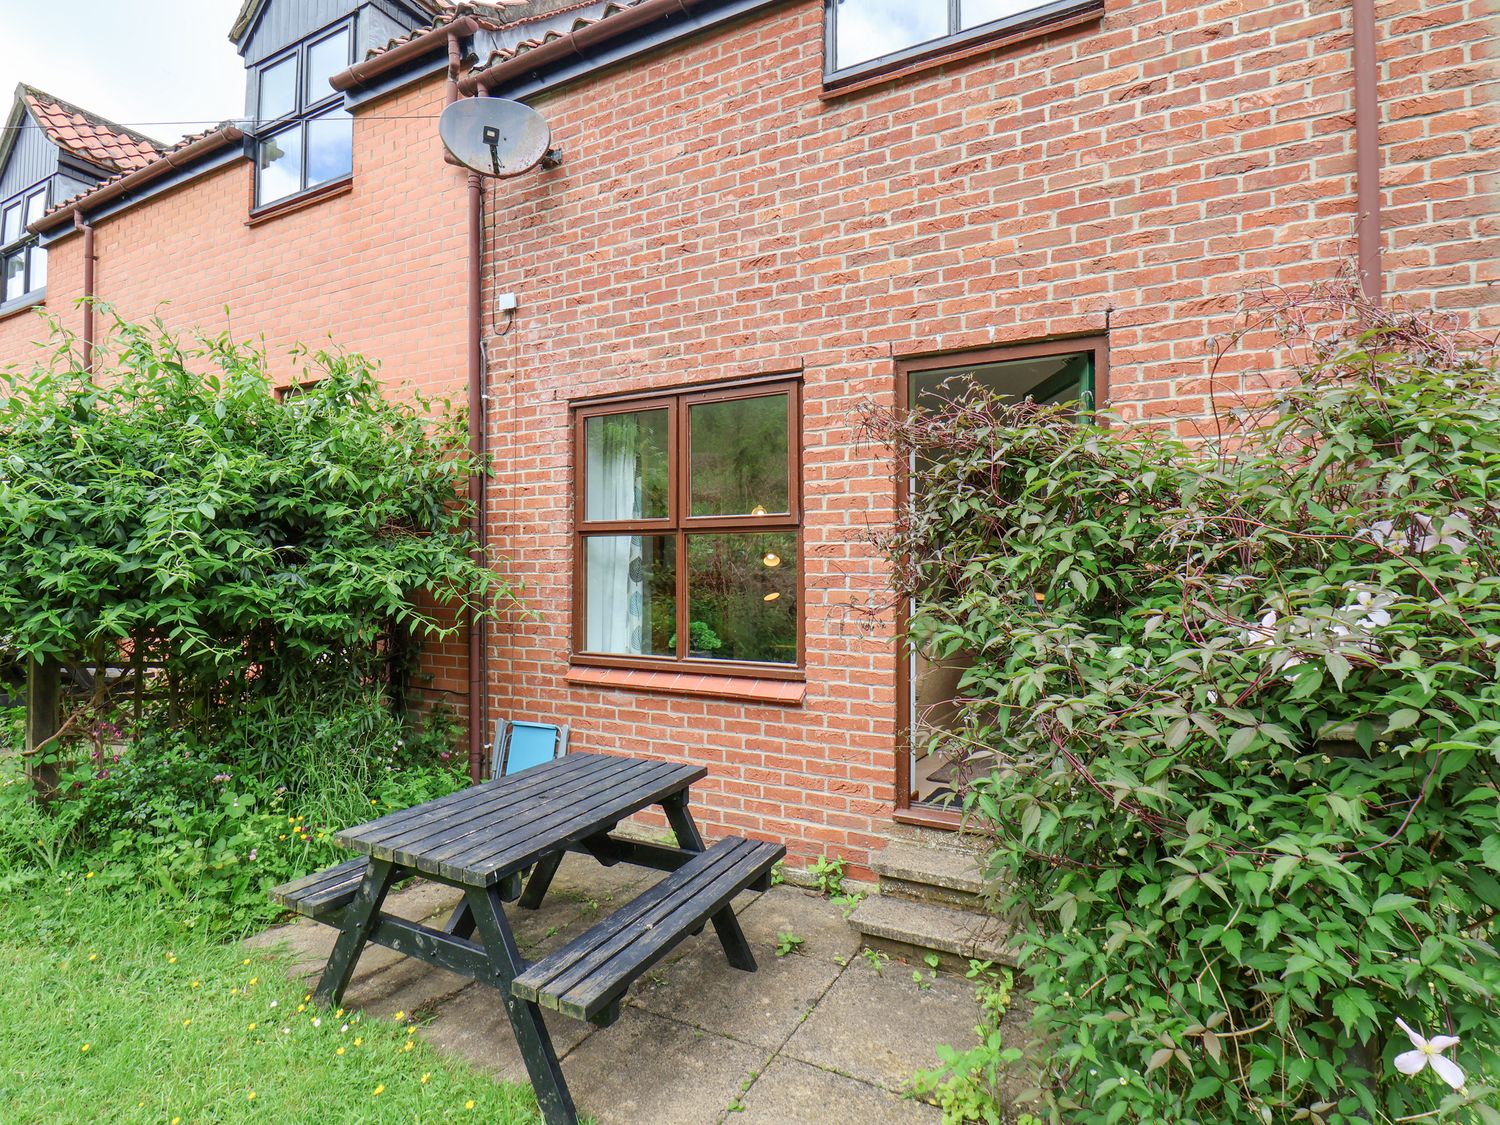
{"points": [[80, 223], [1367, 148], [478, 672]]}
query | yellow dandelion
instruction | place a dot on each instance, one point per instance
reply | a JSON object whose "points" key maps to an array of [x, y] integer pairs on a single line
{"points": [[176, 1121], [246, 961], [400, 1016], [469, 1104], [90, 875], [171, 958], [250, 1096], [308, 996], [301, 1007], [425, 1077], [408, 1046], [250, 1028], [255, 980], [186, 1022], [358, 1041], [197, 984], [340, 1051], [379, 1090], [93, 956], [85, 1047], [234, 992]]}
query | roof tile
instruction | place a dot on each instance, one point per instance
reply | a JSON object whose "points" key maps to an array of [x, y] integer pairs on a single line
{"points": [[87, 135]]}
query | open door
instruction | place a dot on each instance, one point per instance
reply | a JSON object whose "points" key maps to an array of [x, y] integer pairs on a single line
{"points": [[929, 768]]}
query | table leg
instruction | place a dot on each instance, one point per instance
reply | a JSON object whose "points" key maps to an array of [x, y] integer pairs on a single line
{"points": [[360, 917], [525, 1017], [541, 879], [726, 925]]}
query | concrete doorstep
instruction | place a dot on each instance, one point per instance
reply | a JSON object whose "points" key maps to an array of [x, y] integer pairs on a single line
{"points": [[816, 1036]]}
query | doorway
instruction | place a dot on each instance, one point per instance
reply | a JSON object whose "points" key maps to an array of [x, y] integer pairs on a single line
{"points": [[931, 769]]}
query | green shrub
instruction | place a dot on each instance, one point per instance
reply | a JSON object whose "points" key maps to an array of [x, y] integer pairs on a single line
{"points": [[170, 506], [219, 818], [1243, 705]]}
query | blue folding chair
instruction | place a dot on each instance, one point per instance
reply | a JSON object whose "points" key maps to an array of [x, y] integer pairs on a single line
{"points": [[519, 746]]}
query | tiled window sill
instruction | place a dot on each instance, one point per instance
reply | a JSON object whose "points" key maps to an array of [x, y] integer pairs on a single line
{"points": [[945, 54], [309, 198], [748, 689]]}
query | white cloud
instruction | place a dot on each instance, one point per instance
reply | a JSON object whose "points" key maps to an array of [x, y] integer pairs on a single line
{"points": [[165, 67]]}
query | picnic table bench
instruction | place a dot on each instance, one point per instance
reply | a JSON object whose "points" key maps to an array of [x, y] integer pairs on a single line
{"points": [[484, 839]]}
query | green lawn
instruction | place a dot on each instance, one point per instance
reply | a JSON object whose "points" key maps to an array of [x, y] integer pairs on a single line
{"points": [[114, 1007]]}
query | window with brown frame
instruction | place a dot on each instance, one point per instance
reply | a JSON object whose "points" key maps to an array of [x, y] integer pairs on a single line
{"points": [[688, 519]]}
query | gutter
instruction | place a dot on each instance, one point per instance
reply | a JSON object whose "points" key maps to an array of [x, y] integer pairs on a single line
{"points": [[171, 161], [429, 41], [576, 43], [1367, 149]]}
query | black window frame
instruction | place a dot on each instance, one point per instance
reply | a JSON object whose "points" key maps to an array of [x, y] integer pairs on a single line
{"points": [[25, 245], [304, 111], [1043, 14]]}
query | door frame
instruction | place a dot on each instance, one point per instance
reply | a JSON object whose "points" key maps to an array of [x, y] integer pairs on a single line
{"points": [[906, 811]]}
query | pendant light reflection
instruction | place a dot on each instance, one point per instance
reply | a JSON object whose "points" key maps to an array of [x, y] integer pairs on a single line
{"points": [[771, 559]]}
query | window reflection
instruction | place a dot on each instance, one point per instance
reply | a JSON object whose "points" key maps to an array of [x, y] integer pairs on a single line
{"points": [[330, 147], [868, 29]]}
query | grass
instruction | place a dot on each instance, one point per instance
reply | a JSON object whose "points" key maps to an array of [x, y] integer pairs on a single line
{"points": [[115, 1008]]}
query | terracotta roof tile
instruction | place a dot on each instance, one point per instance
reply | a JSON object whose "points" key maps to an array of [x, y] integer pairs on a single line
{"points": [[552, 33], [87, 135]]}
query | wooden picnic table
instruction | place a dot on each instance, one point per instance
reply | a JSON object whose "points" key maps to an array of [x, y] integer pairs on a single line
{"points": [[484, 839]]}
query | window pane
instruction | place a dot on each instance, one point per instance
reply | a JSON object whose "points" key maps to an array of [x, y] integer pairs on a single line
{"points": [[280, 160], [278, 89], [330, 147], [740, 457], [325, 58], [10, 224], [36, 205], [630, 595], [625, 466], [1047, 379], [973, 13], [868, 29], [742, 597], [15, 276], [38, 267]]}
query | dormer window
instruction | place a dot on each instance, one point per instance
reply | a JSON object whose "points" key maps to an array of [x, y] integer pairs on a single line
{"points": [[305, 136], [23, 264]]}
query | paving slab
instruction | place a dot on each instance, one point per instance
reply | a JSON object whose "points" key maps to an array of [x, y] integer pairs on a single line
{"points": [[879, 1027], [473, 1025], [794, 1093], [646, 1070], [763, 1007]]}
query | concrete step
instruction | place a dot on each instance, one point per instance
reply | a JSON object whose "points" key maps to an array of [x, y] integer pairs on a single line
{"points": [[930, 873], [910, 930]]}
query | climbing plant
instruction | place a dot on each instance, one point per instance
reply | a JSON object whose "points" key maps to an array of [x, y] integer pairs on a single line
{"points": [[1239, 709]]}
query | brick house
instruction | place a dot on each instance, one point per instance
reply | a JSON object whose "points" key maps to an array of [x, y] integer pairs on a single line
{"points": [[768, 213]]}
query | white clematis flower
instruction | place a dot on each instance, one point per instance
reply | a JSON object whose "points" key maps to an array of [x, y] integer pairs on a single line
{"points": [[1427, 1054]]}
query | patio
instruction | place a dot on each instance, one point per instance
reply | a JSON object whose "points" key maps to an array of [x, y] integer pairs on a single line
{"points": [[818, 1031]]}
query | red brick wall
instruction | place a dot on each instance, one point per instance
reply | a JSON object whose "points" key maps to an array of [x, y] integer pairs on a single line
{"points": [[716, 217], [380, 270]]}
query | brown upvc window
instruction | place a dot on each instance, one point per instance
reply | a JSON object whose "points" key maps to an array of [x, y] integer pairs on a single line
{"points": [[688, 552]]}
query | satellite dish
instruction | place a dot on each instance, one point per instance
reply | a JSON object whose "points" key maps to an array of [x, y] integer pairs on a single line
{"points": [[495, 136]]}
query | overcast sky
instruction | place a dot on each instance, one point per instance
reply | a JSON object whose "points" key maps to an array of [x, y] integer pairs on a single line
{"points": [[137, 62]]}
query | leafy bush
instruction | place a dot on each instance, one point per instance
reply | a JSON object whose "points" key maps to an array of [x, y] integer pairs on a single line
{"points": [[219, 819], [171, 505], [1244, 705]]}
